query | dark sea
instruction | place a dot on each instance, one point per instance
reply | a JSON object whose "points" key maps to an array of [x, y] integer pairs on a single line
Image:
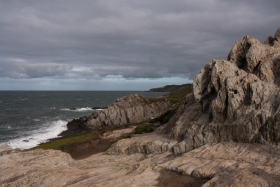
{"points": [[28, 118]]}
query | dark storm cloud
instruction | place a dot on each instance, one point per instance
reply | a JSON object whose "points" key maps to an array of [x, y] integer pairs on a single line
{"points": [[125, 38]]}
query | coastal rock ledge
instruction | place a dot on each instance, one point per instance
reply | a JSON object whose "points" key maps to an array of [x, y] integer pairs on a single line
{"points": [[134, 108]]}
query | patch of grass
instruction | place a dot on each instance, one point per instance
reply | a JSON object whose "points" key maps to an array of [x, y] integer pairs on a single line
{"points": [[154, 100], [143, 128], [65, 144]]}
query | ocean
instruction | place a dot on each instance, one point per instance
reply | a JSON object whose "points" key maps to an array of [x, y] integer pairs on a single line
{"points": [[28, 118]]}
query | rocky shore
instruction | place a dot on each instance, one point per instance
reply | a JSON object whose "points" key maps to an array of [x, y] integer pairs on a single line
{"points": [[225, 133]]}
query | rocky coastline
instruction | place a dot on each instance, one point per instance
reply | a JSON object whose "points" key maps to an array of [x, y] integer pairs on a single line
{"points": [[225, 133]]}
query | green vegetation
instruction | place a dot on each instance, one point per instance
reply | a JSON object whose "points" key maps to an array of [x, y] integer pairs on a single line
{"points": [[154, 100], [65, 144], [178, 96], [143, 128]]}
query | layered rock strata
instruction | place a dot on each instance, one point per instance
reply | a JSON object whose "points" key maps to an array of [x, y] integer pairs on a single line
{"points": [[233, 100], [129, 109]]}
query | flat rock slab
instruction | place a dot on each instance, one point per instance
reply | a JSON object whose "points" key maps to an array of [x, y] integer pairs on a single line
{"points": [[231, 164], [222, 164]]}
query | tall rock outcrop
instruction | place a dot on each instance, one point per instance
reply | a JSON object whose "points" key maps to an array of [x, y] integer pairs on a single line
{"points": [[233, 100], [129, 109]]}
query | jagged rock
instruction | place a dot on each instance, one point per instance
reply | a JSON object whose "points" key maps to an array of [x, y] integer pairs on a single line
{"points": [[129, 109], [236, 99]]}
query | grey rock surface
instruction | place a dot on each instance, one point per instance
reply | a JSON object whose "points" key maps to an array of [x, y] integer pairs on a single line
{"points": [[129, 109], [230, 164]]}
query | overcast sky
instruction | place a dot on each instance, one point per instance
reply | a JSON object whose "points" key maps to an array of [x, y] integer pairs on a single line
{"points": [[121, 44]]}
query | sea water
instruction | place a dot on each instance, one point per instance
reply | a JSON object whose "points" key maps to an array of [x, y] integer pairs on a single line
{"points": [[28, 118]]}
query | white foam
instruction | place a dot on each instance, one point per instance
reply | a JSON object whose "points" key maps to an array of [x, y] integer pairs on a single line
{"points": [[84, 109], [50, 130], [77, 109]]}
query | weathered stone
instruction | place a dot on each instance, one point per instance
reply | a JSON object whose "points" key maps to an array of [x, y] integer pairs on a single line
{"points": [[230, 164], [129, 109]]}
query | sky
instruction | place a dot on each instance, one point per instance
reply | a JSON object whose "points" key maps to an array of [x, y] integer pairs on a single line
{"points": [[122, 44]]}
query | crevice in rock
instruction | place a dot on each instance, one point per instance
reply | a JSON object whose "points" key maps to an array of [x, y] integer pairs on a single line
{"points": [[256, 70], [248, 98]]}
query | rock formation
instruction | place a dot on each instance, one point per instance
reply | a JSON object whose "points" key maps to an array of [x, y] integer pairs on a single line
{"points": [[129, 109], [233, 100], [227, 131]]}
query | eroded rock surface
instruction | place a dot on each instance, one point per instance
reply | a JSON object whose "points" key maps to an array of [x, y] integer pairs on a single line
{"points": [[55, 168], [226, 164], [231, 164], [129, 109], [233, 100]]}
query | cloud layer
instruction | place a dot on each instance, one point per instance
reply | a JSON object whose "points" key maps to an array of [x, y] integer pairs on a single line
{"points": [[127, 39]]}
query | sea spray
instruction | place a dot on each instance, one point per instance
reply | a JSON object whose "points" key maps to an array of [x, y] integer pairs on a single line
{"points": [[48, 131]]}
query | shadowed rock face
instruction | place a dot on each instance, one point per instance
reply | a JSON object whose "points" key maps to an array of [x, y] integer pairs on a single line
{"points": [[129, 109], [236, 99]]}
